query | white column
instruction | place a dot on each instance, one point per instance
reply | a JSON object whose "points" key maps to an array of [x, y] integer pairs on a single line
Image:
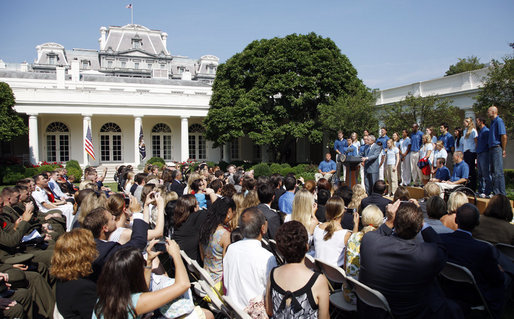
{"points": [[137, 128], [33, 139], [184, 138], [226, 152], [86, 122]]}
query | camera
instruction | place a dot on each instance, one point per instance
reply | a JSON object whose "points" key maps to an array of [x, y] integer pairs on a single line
{"points": [[127, 200], [160, 246]]}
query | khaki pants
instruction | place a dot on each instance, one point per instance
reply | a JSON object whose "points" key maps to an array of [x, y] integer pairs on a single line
{"points": [[391, 178], [318, 176], [416, 172]]}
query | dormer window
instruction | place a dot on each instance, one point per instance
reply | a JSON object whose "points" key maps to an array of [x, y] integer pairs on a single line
{"points": [[137, 43], [86, 64], [211, 69], [52, 58], [181, 69]]}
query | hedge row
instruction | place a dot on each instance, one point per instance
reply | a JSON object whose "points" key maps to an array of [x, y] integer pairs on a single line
{"points": [[10, 174], [306, 171]]}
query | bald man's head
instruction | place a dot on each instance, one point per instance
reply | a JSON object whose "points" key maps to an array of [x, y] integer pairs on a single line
{"points": [[492, 112]]}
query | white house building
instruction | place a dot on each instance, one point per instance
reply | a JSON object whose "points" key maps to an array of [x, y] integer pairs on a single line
{"points": [[131, 82]]}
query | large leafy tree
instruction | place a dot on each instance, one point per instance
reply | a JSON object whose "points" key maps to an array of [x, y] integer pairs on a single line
{"points": [[499, 90], [272, 89], [467, 64], [11, 124], [350, 113], [428, 111]]}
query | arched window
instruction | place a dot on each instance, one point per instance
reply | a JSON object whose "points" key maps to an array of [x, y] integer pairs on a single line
{"points": [[57, 142], [110, 143], [197, 149], [161, 141]]}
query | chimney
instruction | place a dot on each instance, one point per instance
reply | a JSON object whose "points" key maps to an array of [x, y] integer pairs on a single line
{"points": [[75, 71], [186, 76], [102, 39], [24, 67], [164, 37], [60, 74]]}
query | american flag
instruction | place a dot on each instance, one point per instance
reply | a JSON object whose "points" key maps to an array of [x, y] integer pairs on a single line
{"points": [[88, 143], [129, 6], [142, 147]]}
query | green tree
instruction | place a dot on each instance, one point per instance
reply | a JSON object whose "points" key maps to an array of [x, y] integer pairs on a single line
{"points": [[271, 91], [11, 124], [467, 64], [499, 90], [350, 113], [429, 111]]}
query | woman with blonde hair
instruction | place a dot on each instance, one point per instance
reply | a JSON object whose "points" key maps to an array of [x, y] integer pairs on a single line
{"points": [[456, 200], [72, 261], [90, 202], [238, 198], [304, 209], [426, 152], [330, 238], [372, 218], [359, 193], [251, 199], [129, 182], [469, 148], [430, 131]]}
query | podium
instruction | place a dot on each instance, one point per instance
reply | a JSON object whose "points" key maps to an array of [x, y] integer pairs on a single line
{"points": [[351, 165]]}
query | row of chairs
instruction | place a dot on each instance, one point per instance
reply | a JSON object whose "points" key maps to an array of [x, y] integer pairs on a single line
{"points": [[222, 306], [374, 298]]}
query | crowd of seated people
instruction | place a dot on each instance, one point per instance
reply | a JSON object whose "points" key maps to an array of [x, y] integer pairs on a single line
{"points": [[100, 259]]}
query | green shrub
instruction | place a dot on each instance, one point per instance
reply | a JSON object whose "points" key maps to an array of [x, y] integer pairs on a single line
{"points": [[275, 168], [509, 178], [154, 160], [287, 170], [261, 169], [306, 176], [12, 178], [75, 172], [223, 165], [73, 163], [285, 165]]}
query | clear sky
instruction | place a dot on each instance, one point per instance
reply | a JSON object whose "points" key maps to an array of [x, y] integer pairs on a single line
{"points": [[389, 42]]}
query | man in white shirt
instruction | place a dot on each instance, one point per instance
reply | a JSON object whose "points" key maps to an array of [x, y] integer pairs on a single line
{"points": [[405, 158], [246, 265], [44, 204]]}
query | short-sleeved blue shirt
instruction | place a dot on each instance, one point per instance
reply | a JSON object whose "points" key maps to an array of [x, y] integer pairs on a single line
{"points": [[496, 131], [340, 145], [442, 174], [363, 149], [448, 141], [483, 140], [415, 140], [285, 202], [460, 170], [326, 167], [383, 140]]}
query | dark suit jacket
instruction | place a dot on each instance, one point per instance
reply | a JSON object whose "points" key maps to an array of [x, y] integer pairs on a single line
{"points": [[375, 199], [107, 248], [405, 272], [273, 220], [76, 298], [278, 192], [481, 259], [177, 187], [372, 163]]}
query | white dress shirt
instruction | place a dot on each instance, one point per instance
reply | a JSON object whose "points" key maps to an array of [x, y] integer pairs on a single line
{"points": [[246, 268]]}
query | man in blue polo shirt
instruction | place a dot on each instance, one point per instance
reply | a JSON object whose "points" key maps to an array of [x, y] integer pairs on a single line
{"points": [[484, 174], [442, 173], [415, 140], [497, 146], [460, 174], [382, 139], [449, 142], [326, 168], [340, 145]]}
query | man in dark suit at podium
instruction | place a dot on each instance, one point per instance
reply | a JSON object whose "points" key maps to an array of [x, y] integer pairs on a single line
{"points": [[371, 163]]}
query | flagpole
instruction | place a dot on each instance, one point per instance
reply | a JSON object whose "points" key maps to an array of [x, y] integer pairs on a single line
{"points": [[132, 14]]}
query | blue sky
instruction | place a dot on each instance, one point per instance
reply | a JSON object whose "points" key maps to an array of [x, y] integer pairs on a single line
{"points": [[389, 42]]}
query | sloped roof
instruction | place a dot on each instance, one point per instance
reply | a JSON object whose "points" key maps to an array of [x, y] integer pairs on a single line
{"points": [[119, 39]]}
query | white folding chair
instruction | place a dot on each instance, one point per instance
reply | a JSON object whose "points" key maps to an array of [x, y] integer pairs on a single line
{"points": [[236, 312], [336, 274], [461, 274], [216, 303], [204, 275], [371, 297], [189, 265]]}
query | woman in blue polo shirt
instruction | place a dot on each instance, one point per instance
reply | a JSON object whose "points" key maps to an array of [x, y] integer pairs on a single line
{"points": [[469, 148]]}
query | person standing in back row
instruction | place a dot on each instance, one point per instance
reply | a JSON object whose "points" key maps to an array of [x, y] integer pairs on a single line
{"points": [[497, 150], [416, 143]]}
